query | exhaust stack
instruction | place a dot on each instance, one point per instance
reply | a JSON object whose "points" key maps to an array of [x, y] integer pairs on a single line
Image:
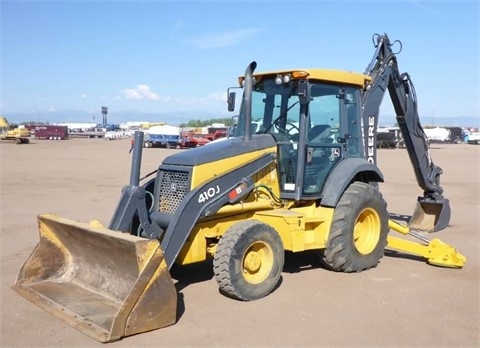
{"points": [[248, 99]]}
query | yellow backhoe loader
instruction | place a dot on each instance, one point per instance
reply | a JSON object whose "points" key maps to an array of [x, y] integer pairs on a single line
{"points": [[307, 179]]}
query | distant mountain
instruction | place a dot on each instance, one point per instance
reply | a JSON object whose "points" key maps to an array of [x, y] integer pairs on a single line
{"points": [[114, 117], [176, 118]]}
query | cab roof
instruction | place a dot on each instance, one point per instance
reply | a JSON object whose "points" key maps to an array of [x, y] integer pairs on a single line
{"points": [[326, 75]]}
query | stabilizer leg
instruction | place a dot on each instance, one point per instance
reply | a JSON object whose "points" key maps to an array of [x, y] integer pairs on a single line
{"points": [[435, 251]]}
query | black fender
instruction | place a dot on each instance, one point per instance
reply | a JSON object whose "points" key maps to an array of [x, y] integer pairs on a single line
{"points": [[347, 171]]}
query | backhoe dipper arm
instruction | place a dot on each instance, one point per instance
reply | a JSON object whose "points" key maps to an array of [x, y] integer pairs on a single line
{"points": [[432, 212], [385, 74]]}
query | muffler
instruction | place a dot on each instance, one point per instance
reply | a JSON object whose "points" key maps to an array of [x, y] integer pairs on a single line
{"points": [[104, 283], [430, 215]]}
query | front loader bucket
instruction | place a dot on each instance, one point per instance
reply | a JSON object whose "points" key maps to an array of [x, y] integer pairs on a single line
{"points": [[106, 284], [430, 215]]}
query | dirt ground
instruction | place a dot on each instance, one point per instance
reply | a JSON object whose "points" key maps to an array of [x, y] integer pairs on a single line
{"points": [[404, 302]]}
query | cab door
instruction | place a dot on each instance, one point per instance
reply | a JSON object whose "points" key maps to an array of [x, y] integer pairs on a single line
{"points": [[332, 133]]}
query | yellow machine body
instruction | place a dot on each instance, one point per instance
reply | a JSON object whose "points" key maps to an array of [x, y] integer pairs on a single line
{"points": [[20, 135], [110, 284]]}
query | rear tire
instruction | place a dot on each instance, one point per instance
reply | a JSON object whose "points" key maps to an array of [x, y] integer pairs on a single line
{"points": [[249, 260], [358, 235]]}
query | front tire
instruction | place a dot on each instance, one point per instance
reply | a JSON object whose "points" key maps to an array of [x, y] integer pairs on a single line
{"points": [[249, 260], [359, 230]]}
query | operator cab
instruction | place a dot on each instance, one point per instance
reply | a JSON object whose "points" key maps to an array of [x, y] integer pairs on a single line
{"points": [[315, 123]]}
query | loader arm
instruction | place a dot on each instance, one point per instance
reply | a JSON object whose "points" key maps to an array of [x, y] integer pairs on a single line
{"points": [[132, 200], [385, 74]]}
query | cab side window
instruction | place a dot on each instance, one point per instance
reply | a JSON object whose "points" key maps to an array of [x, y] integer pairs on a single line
{"points": [[353, 121], [324, 113]]}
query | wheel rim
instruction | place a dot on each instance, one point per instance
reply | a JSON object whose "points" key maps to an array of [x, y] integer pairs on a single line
{"points": [[366, 232], [257, 262]]}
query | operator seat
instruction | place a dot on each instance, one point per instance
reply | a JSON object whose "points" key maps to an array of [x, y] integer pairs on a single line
{"points": [[286, 158]]}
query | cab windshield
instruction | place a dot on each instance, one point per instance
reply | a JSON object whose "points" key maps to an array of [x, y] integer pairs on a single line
{"points": [[275, 109]]}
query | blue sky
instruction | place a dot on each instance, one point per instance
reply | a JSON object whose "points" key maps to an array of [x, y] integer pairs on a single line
{"points": [[174, 59]]}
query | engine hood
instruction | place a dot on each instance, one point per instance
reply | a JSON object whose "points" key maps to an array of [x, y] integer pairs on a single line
{"points": [[220, 150]]}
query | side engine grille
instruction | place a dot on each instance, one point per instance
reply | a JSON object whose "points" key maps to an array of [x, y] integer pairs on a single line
{"points": [[173, 186]]}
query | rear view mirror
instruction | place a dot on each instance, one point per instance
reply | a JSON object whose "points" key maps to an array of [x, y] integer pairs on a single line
{"points": [[231, 101], [303, 92]]}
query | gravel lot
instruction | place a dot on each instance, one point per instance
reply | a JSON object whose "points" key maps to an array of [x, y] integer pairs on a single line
{"points": [[404, 302]]}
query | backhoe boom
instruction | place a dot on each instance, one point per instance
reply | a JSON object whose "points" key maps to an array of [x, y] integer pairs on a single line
{"points": [[385, 75]]}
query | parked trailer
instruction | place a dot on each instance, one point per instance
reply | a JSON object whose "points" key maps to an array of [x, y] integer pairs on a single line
{"points": [[444, 135], [388, 138], [162, 136], [162, 140], [88, 134], [51, 132]]}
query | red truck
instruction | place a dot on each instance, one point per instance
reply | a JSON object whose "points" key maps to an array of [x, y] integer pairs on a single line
{"points": [[215, 133], [48, 131]]}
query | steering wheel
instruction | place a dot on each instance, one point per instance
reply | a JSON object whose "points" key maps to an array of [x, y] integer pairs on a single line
{"points": [[292, 127], [287, 130]]}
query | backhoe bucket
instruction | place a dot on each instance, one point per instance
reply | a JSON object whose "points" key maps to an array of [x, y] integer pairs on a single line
{"points": [[430, 216], [105, 283]]}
